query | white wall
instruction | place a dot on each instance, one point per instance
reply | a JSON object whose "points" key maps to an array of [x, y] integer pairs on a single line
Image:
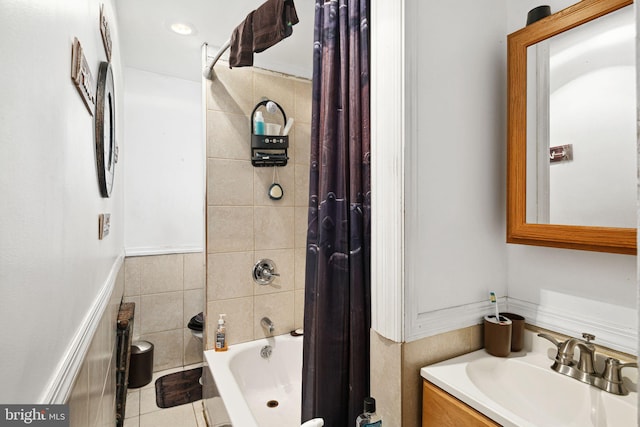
{"points": [[164, 197], [53, 268], [572, 291], [455, 171], [453, 124]]}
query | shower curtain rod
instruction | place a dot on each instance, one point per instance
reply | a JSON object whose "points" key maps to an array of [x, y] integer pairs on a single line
{"points": [[209, 69]]}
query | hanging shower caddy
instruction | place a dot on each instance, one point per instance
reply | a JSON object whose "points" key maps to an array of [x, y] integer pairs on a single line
{"points": [[269, 150]]}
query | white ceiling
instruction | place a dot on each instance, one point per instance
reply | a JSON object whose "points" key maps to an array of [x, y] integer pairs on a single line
{"points": [[148, 44]]}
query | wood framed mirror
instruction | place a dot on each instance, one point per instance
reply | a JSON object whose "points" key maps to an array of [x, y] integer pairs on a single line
{"points": [[592, 237]]}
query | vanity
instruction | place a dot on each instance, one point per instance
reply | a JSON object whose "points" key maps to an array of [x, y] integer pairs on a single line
{"points": [[477, 389]]}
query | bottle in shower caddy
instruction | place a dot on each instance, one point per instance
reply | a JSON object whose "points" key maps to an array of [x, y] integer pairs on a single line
{"points": [[369, 418], [221, 334], [258, 123]]}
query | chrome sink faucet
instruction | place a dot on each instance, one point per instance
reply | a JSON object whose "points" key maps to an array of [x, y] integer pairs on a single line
{"points": [[609, 380]]}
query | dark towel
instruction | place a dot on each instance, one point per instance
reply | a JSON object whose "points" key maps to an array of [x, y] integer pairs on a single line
{"points": [[272, 22], [241, 54]]}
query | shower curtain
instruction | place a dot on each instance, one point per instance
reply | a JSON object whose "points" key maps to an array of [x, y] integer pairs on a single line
{"points": [[337, 316]]}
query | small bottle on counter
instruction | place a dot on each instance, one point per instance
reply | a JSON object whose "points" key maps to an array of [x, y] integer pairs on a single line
{"points": [[221, 334], [369, 418]]}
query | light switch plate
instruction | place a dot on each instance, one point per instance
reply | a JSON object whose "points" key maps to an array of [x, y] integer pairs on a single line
{"points": [[104, 223]]}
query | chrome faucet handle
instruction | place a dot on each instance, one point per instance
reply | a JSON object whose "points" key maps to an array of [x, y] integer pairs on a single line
{"points": [[588, 337], [611, 380], [564, 353]]}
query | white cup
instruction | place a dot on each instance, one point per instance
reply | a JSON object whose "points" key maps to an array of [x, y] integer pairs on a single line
{"points": [[272, 129]]}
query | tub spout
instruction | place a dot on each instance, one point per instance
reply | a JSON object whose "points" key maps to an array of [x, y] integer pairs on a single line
{"points": [[268, 324]]}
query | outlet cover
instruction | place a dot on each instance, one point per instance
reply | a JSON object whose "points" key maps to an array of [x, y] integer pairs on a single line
{"points": [[104, 223]]}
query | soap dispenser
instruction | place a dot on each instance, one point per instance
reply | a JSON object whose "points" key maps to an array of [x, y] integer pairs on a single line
{"points": [[221, 334]]}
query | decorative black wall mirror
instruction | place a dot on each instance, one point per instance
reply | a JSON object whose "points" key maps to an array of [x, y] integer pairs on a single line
{"points": [[105, 126]]}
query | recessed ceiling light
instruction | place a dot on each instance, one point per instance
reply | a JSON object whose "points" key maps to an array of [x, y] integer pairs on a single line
{"points": [[182, 28]]}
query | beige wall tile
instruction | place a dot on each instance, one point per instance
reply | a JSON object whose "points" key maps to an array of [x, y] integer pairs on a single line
{"points": [[299, 309], [302, 185], [277, 88], [386, 385], [229, 182], [426, 352], [301, 223], [192, 348], [228, 135], [168, 348], [136, 314], [79, 399], [229, 275], [277, 307], [302, 143], [194, 268], [303, 94], [231, 90], [162, 273], [284, 261], [273, 228], [229, 229], [161, 312], [264, 177], [239, 317], [132, 275], [193, 304], [300, 265]]}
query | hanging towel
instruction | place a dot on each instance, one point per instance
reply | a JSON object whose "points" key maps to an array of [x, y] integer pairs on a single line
{"points": [[241, 45], [272, 22]]}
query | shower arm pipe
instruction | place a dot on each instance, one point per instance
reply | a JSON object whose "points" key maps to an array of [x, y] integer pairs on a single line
{"points": [[221, 51]]}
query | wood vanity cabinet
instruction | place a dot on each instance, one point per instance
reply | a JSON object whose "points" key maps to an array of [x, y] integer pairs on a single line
{"points": [[440, 409]]}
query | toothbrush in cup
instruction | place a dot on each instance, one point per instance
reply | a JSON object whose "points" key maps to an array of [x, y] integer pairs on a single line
{"points": [[494, 301]]}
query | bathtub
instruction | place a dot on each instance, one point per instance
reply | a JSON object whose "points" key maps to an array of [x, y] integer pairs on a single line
{"points": [[256, 391]]}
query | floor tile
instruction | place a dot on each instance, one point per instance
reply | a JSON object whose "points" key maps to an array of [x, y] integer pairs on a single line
{"points": [[132, 408], [178, 416]]}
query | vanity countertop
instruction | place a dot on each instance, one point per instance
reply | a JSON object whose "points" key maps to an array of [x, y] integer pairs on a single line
{"points": [[521, 390]]}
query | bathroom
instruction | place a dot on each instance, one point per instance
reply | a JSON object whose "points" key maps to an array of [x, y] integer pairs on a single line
{"points": [[440, 247]]}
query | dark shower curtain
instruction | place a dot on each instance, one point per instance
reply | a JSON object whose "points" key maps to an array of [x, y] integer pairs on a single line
{"points": [[337, 316]]}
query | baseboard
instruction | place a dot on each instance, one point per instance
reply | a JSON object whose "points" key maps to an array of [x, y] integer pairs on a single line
{"points": [[620, 335], [155, 250], [449, 319], [59, 389]]}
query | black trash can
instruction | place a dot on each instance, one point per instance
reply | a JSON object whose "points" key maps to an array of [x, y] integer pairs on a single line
{"points": [[141, 364]]}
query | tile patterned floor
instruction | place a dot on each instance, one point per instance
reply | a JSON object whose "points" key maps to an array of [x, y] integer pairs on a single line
{"points": [[142, 411]]}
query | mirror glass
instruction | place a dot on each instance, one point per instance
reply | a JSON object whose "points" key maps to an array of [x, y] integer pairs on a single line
{"points": [[581, 98]]}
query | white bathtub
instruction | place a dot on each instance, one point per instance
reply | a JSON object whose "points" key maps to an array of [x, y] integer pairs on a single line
{"points": [[250, 386]]}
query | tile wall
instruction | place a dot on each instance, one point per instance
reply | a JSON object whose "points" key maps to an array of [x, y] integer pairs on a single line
{"points": [[168, 290], [92, 402], [395, 370], [243, 223]]}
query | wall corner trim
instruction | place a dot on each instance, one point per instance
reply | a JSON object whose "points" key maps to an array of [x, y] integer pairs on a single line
{"points": [[60, 386], [387, 168]]}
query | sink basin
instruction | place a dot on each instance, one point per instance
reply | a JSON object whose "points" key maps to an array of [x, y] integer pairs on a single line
{"points": [[522, 390]]}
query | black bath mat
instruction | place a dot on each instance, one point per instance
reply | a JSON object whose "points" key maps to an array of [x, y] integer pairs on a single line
{"points": [[179, 388]]}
